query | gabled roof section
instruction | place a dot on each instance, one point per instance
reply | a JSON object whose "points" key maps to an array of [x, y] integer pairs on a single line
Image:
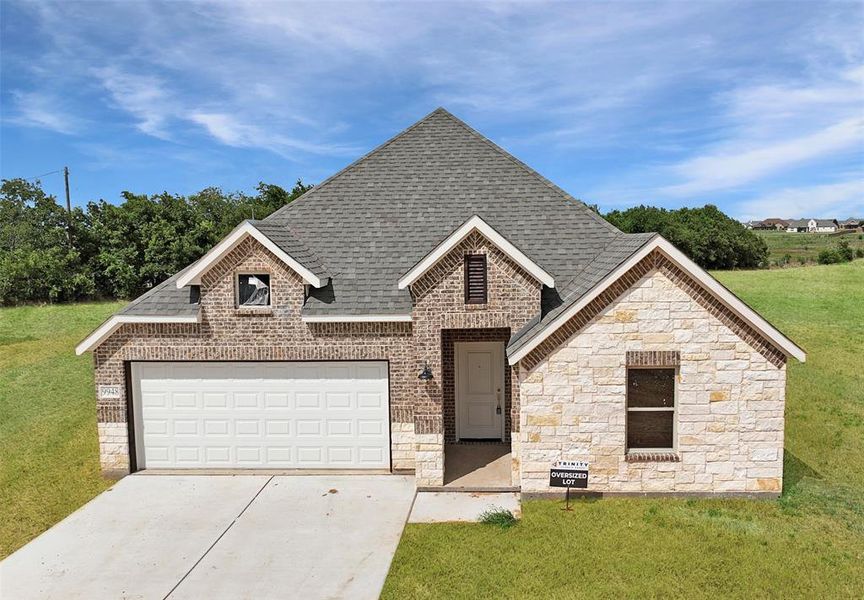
{"points": [[589, 284], [163, 303], [376, 219], [475, 223], [277, 239]]}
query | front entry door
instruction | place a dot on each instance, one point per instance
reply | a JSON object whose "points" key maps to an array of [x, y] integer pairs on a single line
{"points": [[480, 390]]}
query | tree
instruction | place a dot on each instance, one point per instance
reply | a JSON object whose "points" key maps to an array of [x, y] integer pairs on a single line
{"points": [[708, 236], [119, 251], [36, 262]]}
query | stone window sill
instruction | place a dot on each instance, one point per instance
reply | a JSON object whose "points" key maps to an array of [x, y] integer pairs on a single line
{"points": [[635, 456], [248, 311]]}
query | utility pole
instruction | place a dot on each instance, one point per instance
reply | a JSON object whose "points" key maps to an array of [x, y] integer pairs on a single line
{"points": [[68, 207]]}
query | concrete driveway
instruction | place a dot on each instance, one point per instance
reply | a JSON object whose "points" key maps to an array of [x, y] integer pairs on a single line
{"points": [[220, 536]]}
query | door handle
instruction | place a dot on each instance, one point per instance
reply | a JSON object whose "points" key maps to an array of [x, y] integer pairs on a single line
{"points": [[498, 397]]}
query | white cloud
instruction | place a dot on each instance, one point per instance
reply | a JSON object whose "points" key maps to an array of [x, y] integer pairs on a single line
{"points": [[834, 200], [735, 165], [680, 98], [142, 96], [35, 109], [232, 132]]}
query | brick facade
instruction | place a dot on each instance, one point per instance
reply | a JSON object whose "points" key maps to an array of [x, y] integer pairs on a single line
{"points": [[564, 400], [228, 334]]}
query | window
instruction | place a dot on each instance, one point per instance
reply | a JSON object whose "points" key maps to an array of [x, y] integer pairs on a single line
{"points": [[475, 279], [253, 290], [650, 409]]}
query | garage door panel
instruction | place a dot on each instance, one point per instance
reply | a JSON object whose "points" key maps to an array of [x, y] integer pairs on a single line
{"points": [[374, 400], [262, 415], [277, 400]]}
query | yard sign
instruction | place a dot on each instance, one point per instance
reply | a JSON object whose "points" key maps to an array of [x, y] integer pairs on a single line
{"points": [[569, 474]]}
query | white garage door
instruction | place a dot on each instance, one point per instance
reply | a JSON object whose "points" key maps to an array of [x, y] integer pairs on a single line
{"points": [[287, 415]]}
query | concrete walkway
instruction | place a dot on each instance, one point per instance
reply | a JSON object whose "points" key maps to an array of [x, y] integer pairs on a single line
{"points": [[208, 536], [477, 466], [444, 507]]}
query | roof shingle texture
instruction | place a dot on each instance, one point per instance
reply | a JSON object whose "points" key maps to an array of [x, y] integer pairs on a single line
{"points": [[373, 221], [367, 225]]}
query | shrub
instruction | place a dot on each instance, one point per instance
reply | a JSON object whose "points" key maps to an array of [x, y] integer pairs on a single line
{"points": [[859, 253], [829, 256], [498, 516], [845, 251], [840, 254]]}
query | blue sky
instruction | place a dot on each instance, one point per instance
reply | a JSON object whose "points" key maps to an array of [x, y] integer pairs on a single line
{"points": [[755, 107]]}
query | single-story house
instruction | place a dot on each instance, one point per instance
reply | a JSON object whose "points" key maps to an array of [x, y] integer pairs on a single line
{"points": [[437, 294], [851, 223], [812, 226], [759, 225], [778, 224]]}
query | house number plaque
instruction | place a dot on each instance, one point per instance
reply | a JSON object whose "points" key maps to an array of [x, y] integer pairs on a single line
{"points": [[107, 392]]}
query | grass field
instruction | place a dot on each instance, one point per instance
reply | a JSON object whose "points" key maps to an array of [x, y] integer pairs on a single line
{"points": [[810, 543], [804, 246], [49, 454]]}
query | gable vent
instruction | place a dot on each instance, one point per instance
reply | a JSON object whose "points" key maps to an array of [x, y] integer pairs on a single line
{"points": [[475, 279]]}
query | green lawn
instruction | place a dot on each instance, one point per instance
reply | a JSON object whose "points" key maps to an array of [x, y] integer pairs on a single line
{"points": [[804, 246], [49, 454], [810, 543]]}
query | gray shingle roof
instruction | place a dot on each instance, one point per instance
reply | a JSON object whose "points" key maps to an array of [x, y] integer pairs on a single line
{"points": [[283, 236], [368, 224], [806, 222], [375, 219], [618, 250], [165, 300]]}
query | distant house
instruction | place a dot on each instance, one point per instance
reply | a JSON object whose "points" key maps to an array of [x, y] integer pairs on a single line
{"points": [[778, 224], [850, 224], [812, 226], [758, 225]]}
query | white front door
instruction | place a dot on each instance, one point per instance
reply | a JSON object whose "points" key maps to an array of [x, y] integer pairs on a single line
{"points": [[286, 415], [480, 390]]}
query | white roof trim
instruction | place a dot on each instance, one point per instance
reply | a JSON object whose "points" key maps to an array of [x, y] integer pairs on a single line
{"points": [[231, 241], [114, 323], [357, 319], [731, 301], [493, 236]]}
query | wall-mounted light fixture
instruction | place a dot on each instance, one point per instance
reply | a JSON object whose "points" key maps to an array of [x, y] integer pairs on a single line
{"points": [[426, 373]]}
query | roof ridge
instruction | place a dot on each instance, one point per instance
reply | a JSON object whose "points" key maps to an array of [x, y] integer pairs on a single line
{"points": [[648, 235], [528, 332], [310, 192], [575, 201]]}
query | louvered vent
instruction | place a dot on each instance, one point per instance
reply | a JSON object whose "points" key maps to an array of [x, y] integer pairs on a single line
{"points": [[475, 279]]}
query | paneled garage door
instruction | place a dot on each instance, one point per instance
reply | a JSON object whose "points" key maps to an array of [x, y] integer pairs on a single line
{"points": [[286, 415]]}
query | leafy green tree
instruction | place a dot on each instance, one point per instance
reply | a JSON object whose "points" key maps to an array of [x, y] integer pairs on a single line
{"points": [[37, 263], [117, 251], [708, 236]]}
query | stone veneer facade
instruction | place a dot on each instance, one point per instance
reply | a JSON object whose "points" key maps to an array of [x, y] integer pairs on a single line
{"points": [[565, 399], [729, 393]]}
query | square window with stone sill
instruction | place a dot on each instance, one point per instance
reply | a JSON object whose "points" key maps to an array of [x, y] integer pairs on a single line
{"points": [[252, 293]]}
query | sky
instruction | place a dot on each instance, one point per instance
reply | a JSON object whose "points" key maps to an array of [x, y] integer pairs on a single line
{"points": [[756, 107]]}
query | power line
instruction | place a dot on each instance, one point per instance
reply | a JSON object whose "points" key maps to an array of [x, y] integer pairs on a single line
{"points": [[43, 175]]}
